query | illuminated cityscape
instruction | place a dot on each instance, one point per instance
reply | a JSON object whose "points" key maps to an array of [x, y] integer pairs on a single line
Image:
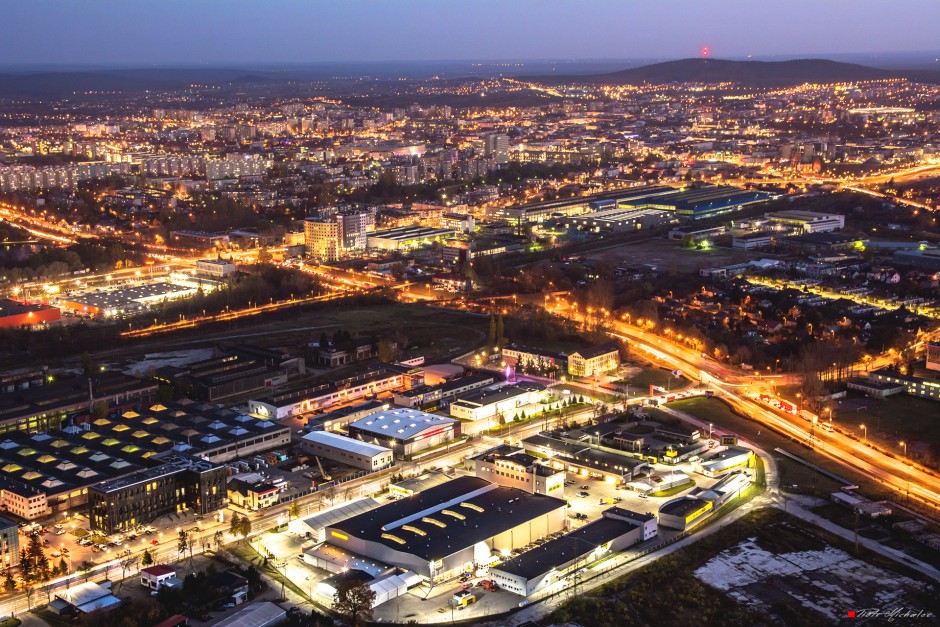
{"points": [[534, 328]]}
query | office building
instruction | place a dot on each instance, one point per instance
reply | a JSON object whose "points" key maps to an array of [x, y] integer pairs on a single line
{"points": [[332, 238], [496, 147], [513, 468], [182, 483], [9, 544], [218, 269]]}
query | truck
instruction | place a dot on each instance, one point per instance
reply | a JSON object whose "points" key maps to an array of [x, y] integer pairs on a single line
{"points": [[464, 598]]}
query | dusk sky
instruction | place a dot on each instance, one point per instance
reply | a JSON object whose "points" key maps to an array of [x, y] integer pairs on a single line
{"points": [[196, 32]]}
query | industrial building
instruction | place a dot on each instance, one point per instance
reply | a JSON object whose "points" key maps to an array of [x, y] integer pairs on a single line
{"points": [[410, 487], [542, 566], [222, 377], [594, 360], [407, 237], [15, 314], [586, 459], [314, 527], [405, 431], [501, 401], [620, 219], [181, 483], [310, 397], [450, 528], [427, 397], [338, 419], [47, 407], [807, 221], [512, 467], [546, 210], [347, 451]]}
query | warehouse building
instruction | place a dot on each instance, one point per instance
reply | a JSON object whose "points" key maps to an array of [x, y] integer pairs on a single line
{"points": [[685, 512], [15, 314], [613, 465], [407, 237], [222, 377], [512, 467], [426, 481], [338, 419], [501, 401], [311, 397], [405, 431], [807, 221], [347, 451], [314, 527], [542, 566], [451, 528]]}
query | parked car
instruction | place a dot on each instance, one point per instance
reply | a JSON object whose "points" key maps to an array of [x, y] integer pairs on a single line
{"points": [[585, 487], [583, 494]]}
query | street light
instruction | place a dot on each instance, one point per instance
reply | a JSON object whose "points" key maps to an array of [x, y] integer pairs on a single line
{"points": [[865, 431], [904, 446]]}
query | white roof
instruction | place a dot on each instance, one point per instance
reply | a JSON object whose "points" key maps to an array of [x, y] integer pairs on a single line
{"points": [[351, 445], [339, 513], [84, 593], [254, 615], [400, 423]]}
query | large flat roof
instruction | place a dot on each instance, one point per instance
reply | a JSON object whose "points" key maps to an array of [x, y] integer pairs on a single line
{"points": [[448, 518], [568, 547], [400, 423], [351, 445]]}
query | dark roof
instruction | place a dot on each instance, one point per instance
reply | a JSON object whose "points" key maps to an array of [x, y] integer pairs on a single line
{"points": [[489, 513], [681, 506], [583, 454], [567, 548]]}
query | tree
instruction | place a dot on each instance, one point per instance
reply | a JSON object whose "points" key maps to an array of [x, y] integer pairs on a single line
{"points": [[293, 510], [30, 590], [217, 540], [190, 546], [233, 525], [146, 559], [181, 544], [63, 566], [500, 332], [264, 255], [398, 271], [85, 569], [353, 602], [8, 582], [244, 527], [127, 563]]}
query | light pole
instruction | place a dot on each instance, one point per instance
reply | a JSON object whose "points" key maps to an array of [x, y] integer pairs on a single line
{"points": [[904, 446], [865, 431]]}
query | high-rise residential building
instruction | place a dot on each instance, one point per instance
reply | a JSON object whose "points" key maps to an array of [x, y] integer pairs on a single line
{"points": [[336, 236], [496, 146], [321, 238]]}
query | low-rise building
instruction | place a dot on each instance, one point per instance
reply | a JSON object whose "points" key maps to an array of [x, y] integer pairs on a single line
{"points": [[155, 577], [251, 495], [512, 467], [427, 397], [595, 360], [613, 465], [914, 385], [499, 402], [405, 431], [542, 566], [217, 269], [807, 221], [348, 451]]}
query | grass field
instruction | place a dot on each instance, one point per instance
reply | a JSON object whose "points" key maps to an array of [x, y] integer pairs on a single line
{"points": [[900, 417], [806, 480], [658, 376]]}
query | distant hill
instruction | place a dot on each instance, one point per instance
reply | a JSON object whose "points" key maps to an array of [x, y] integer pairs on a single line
{"points": [[752, 73]]}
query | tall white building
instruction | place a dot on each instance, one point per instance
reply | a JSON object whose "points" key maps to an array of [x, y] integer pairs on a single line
{"points": [[496, 147]]}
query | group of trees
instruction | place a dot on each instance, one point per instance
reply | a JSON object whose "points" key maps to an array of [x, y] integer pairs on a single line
{"points": [[240, 526], [50, 263], [35, 566]]}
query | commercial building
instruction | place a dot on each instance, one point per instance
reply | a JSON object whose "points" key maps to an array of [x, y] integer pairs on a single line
{"points": [[218, 269], [311, 397], [136, 299], [348, 451], [426, 481], [582, 458], [9, 543], [260, 614], [731, 459], [15, 314], [553, 209], [807, 221], [450, 528], [685, 512], [595, 360], [405, 431], [47, 407], [407, 237], [337, 236], [180, 484], [511, 467], [501, 401], [542, 566], [84, 598], [427, 397], [314, 527]]}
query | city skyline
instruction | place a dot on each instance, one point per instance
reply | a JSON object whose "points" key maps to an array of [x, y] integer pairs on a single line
{"points": [[111, 33]]}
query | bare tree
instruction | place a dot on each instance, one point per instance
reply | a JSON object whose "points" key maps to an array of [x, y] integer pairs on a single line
{"points": [[127, 562]]}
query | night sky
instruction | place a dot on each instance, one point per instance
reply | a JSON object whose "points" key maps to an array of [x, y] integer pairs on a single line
{"points": [[196, 32]]}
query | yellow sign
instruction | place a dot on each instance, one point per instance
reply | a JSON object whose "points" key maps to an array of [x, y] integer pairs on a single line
{"points": [[341, 536]]}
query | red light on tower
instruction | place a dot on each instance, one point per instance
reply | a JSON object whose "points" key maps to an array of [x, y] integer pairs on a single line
{"points": [[705, 52]]}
